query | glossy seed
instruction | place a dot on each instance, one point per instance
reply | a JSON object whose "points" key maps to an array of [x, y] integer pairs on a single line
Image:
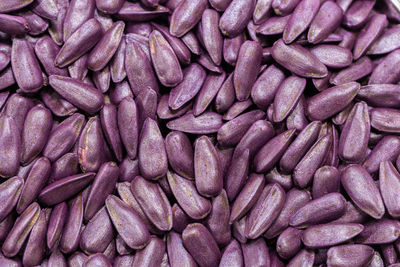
{"points": [[218, 220], [17, 107], [369, 34], [287, 96], [384, 119], [299, 146], [179, 219], [315, 211], [36, 130], [91, 146], [207, 168], [355, 134], [80, 94], [256, 253], [321, 106], [36, 244], [56, 224], [57, 259], [265, 211], [108, 119], [151, 255], [208, 91], [236, 109], [231, 132], [103, 184], [180, 154], [37, 178], [20, 231], [127, 223], [56, 192], [289, 242], [266, 86], [236, 175], [389, 180], [46, 50], [138, 68], [365, 195], [387, 42], [196, 206], [201, 245], [380, 95], [247, 68], [66, 165], [57, 104], [164, 60], [10, 146], [6, 78], [247, 197], [71, 233], [231, 24], [76, 16], [98, 259], [186, 16], [273, 26], [98, 233], [386, 149], [298, 60], [326, 180], [382, 231], [356, 12], [300, 19], [153, 201], [295, 199], [80, 42], [206, 123], [333, 56], [193, 78], [304, 257], [153, 162], [352, 215], [108, 45], [256, 136], [128, 120], [13, 25], [25, 66], [10, 192], [305, 169], [325, 235], [282, 8], [231, 47], [325, 22], [212, 37], [127, 197], [264, 160], [177, 254]]}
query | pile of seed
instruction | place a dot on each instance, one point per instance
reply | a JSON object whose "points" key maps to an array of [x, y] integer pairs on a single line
{"points": [[199, 133]]}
